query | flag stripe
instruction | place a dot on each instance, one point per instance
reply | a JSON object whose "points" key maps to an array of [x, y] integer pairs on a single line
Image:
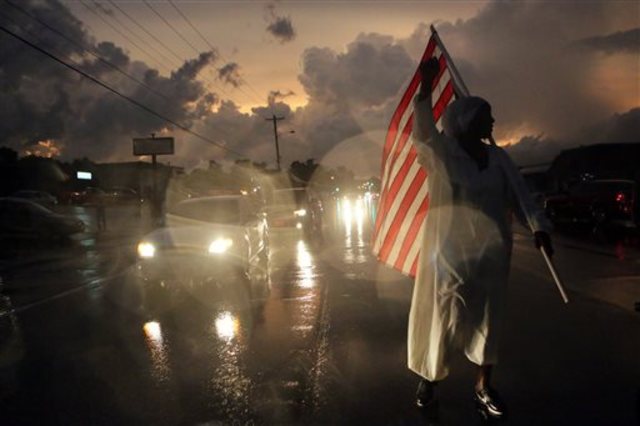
{"points": [[412, 233], [402, 212], [404, 198], [404, 102], [405, 165], [399, 241], [400, 149], [397, 178]]}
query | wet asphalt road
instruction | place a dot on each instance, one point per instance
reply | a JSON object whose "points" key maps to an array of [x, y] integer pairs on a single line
{"points": [[329, 346]]}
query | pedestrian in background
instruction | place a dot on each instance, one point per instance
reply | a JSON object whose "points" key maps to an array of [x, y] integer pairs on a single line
{"points": [[101, 213], [460, 288]]}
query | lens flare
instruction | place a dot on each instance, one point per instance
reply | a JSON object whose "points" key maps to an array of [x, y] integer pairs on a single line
{"points": [[227, 326]]}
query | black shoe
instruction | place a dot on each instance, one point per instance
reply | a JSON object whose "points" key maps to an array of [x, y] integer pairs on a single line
{"points": [[425, 396], [489, 403]]}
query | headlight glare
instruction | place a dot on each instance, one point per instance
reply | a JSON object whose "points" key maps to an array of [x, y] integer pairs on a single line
{"points": [[300, 212], [220, 245], [146, 250]]}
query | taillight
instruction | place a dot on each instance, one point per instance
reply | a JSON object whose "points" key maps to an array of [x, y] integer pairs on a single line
{"points": [[622, 202]]}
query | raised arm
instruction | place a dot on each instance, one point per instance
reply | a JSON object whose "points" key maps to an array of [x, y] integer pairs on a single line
{"points": [[431, 145], [424, 128]]}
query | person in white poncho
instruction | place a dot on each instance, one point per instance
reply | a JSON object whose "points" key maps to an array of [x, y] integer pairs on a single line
{"points": [[461, 282]]}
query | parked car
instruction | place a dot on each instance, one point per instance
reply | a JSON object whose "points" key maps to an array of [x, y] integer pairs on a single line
{"points": [[293, 208], [208, 242], [21, 218], [123, 195], [43, 198], [89, 195], [605, 203]]}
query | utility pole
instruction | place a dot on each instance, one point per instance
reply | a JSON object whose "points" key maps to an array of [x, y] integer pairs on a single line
{"points": [[154, 200], [275, 133]]}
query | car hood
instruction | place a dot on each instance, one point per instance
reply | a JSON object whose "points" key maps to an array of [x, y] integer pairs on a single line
{"points": [[65, 223], [193, 236]]}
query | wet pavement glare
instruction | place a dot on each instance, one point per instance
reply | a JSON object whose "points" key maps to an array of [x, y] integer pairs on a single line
{"points": [[92, 356]]}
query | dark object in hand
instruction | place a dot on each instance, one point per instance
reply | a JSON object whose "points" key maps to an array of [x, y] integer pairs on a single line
{"points": [[429, 70], [542, 239]]}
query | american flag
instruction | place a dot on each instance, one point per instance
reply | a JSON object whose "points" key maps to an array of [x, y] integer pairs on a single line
{"points": [[404, 199]]}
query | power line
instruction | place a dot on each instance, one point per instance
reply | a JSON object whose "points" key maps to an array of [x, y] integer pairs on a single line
{"points": [[146, 31], [219, 87], [95, 54], [88, 50], [123, 35], [171, 26], [188, 21], [192, 26], [159, 41], [108, 63], [116, 92], [155, 38], [141, 39], [179, 34]]}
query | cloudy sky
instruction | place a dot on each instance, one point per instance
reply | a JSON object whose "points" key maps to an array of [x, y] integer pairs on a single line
{"points": [[558, 74]]}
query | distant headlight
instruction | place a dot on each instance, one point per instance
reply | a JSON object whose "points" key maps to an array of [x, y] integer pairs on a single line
{"points": [[220, 245], [300, 213], [146, 250]]}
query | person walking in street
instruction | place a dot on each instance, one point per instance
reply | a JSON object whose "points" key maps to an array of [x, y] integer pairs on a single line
{"points": [[101, 214], [460, 288]]}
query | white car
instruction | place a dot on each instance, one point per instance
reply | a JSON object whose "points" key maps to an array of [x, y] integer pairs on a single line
{"points": [[208, 243]]}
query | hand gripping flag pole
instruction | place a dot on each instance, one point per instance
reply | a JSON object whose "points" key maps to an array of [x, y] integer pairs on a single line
{"points": [[462, 91]]}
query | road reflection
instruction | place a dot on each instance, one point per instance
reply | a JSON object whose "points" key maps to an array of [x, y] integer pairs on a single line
{"points": [[305, 275], [226, 326], [355, 217], [158, 351]]}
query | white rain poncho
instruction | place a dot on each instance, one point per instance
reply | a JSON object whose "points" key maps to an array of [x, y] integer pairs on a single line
{"points": [[460, 288]]}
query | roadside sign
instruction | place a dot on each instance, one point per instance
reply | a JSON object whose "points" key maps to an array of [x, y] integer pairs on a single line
{"points": [[152, 146], [83, 175]]}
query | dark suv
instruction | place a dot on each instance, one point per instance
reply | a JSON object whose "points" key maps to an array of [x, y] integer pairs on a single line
{"points": [[597, 203]]}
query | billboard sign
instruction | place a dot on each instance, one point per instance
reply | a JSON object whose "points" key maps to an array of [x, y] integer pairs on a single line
{"points": [[151, 146]]}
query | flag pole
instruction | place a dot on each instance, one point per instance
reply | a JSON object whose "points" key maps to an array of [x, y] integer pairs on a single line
{"points": [[462, 90], [457, 80]]}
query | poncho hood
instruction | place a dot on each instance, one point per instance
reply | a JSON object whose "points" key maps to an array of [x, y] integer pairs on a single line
{"points": [[460, 114]]}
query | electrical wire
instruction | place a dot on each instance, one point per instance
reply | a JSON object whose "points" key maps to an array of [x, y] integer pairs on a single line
{"points": [[171, 26], [195, 29], [126, 37], [95, 54], [175, 55], [118, 93], [88, 50], [141, 39], [179, 34], [181, 60]]}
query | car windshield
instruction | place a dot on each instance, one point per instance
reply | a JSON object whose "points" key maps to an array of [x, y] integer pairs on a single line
{"points": [[214, 211]]}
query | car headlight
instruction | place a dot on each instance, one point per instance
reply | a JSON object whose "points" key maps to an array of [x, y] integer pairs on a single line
{"points": [[220, 245], [146, 250], [300, 212]]}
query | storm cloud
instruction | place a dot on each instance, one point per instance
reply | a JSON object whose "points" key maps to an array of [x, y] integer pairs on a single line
{"points": [[42, 100], [619, 42], [230, 74], [547, 94], [280, 27]]}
